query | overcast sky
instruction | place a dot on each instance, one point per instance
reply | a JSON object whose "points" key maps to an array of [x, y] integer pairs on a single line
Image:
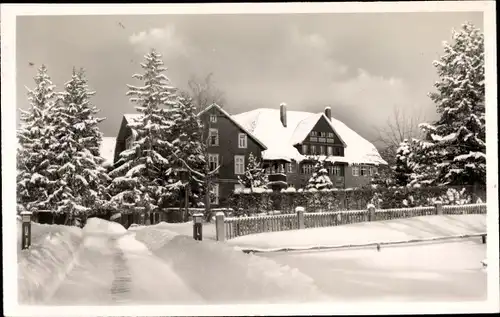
{"points": [[362, 65]]}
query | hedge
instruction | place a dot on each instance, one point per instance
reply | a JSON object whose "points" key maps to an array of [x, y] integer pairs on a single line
{"points": [[356, 199]]}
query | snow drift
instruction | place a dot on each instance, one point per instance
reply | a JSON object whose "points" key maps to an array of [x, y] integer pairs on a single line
{"points": [[45, 264], [222, 275]]}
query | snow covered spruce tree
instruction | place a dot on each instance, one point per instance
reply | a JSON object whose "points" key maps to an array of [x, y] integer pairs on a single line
{"points": [[401, 170], [147, 175], [255, 176], [458, 136], [34, 138], [78, 178], [188, 151], [319, 179]]}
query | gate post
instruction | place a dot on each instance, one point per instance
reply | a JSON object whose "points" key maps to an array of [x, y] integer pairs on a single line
{"points": [[219, 226], [300, 217], [26, 226], [198, 226], [439, 207]]}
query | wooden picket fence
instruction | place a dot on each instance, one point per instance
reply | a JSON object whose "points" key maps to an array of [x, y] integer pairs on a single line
{"points": [[236, 227]]}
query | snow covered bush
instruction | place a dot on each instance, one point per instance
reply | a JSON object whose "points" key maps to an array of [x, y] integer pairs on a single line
{"points": [[319, 179]]}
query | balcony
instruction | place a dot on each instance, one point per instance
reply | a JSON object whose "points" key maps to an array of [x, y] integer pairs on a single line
{"points": [[277, 177]]}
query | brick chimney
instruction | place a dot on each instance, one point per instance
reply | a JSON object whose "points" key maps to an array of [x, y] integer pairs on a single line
{"points": [[283, 113], [328, 113]]}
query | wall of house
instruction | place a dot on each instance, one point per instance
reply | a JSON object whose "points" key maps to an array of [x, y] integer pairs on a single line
{"points": [[123, 134], [227, 149], [355, 181]]}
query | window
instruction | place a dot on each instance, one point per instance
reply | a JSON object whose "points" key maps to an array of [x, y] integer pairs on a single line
{"points": [[213, 137], [213, 161], [321, 140], [314, 133], [239, 164], [337, 170], [314, 139], [373, 171], [306, 169], [213, 118], [304, 149], [364, 170], [290, 167], [242, 140], [322, 150], [128, 143], [329, 140], [330, 150], [214, 191], [330, 134], [313, 149], [355, 171]]}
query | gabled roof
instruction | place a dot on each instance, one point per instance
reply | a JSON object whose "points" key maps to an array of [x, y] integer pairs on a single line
{"points": [[305, 126], [248, 132], [266, 125]]}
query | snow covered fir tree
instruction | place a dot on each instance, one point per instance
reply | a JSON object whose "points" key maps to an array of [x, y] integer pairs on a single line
{"points": [[34, 139], [454, 153], [255, 176], [60, 147], [78, 178], [148, 175], [319, 179]]}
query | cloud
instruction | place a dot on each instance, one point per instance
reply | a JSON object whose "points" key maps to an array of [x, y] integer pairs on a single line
{"points": [[166, 40]]}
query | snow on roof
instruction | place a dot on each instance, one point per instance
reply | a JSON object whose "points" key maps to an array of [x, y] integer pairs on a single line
{"points": [[107, 149], [131, 116], [266, 125], [249, 133]]}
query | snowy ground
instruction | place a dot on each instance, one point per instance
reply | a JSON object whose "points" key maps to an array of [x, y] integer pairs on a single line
{"points": [[360, 233], [104, 264], [44, 264], [444, 271]]}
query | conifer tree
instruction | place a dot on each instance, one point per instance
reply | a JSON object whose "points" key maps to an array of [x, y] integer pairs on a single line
{"points": [[255, 176], [78, 178], [33, 143], [457, 138], [320, 179], [145, 178]]}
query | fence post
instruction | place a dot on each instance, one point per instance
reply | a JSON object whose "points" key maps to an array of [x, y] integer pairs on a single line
{"points": [[371, 212], [300, 217], [26, 225], [439, 207], [219, 226], [198, 226]]}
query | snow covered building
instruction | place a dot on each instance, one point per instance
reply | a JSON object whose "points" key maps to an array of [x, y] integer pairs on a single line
{"points": [[295, 140], [287, 142]]}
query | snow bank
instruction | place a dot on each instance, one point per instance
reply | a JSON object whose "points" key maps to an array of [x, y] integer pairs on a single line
{"points": [[98, 226], [366, 233], [221, 274], [43, 266]]}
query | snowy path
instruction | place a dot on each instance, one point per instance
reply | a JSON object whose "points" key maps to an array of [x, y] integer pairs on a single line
{"points": [[117, 269]]}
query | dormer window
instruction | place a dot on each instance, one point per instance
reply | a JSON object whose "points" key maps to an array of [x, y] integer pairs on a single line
{"points": [[304, 149]]}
